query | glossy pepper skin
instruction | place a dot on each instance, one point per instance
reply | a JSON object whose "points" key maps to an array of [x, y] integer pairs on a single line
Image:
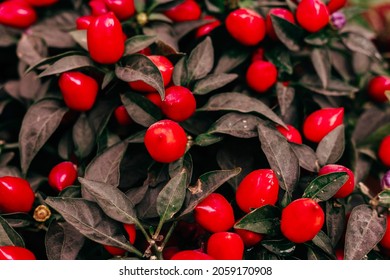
{"points": [[78, 90], [214, 213], [166, 141], [83, 22], [185, 11], [292, 134], [335, 5], [17, 14], [105, 39], [123, 9], [301, 220], [246, 26], [179, 103], [16, 195], [225, 246], [319, 123], [312, 15], [384, 151], [62, 175], [261, 75], [208, 27], [377, 88], [260, 187], [15, 253]]}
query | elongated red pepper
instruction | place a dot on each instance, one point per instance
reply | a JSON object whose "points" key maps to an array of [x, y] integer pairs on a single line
{"points": [[105, 39]]}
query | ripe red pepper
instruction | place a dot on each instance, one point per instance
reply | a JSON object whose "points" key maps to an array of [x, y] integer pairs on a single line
{"points": [[105, 39], [17, 14], [123, 9]]}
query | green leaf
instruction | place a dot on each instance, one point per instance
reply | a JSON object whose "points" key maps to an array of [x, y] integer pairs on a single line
{"points": [[331, 147], [364, 230], [237, 125], [280, 156], [141, 109], [325, 186], [8, 236], [206, 139], [314, 253], [185, 162], [306, 156], [288, 33], [205, 185], [213, 82], [39, 123], [215, 6], [335, 221], [89, 220], [137, 43], [280, 247], [83, 136], [172, 196], [318, 39], [80, 36], [67, 63], [263, 220], [201, 60], [281, 58], [105, 166], [384, 198], [234, 101], [322, 241], [140, 68], [63, 241], [113, 201], [321, 62]]}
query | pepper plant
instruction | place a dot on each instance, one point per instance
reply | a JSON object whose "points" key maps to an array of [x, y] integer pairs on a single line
{"points": [[171, 129]]}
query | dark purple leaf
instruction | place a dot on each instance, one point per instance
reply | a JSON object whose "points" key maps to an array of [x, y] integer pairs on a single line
{"points": [[63, 241], [233, 101], [280, 156], [138, 67], [335, 221], [364, 230], [8, 236], [201, 60], [307, 157], [331, 147], [39, 123]]}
